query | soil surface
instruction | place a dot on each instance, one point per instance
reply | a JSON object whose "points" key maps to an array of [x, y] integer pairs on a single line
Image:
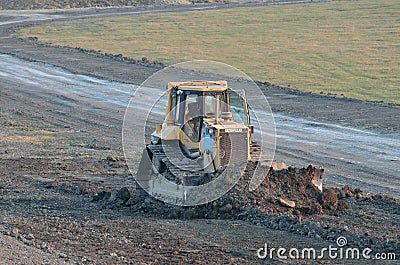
{"points": [[66, 194]]}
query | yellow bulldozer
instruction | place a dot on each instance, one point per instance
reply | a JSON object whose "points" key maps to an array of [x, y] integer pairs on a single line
{"points": [[207, 128]]}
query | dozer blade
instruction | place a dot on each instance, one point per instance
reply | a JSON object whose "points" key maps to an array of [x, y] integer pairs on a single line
{"points": [[167, 191], [143, 175], [317, 177]]}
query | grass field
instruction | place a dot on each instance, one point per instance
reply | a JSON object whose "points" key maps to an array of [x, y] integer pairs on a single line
{"points": [[343, 47]]}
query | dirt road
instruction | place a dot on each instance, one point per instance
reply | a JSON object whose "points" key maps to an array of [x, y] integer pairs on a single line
{"points": [[61, 128], [358, 157]]}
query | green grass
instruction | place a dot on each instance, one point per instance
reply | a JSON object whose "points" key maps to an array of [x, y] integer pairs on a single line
{"points": [[344, 47]]}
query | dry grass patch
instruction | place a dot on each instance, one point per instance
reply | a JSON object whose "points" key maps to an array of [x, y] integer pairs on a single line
{"points": [[344, 47]]}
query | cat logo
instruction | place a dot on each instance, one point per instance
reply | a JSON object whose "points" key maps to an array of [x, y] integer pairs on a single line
{"points": [[236, 130]]}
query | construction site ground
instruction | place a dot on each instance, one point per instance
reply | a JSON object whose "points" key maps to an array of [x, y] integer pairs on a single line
{"points": [[67, 196]]}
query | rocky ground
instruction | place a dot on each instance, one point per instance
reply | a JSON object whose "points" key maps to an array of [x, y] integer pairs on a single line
{"points": [[74, 210], [66, 194]]}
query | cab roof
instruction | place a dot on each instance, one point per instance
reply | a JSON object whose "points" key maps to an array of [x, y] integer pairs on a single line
{"points": [[203, 86]]}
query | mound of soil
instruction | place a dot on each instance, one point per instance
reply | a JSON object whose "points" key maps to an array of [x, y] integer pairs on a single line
{"points": [[287, 191], [286, 200]]}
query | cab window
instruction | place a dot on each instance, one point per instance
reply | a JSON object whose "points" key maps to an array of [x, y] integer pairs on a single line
{"points": [[237, 108]]}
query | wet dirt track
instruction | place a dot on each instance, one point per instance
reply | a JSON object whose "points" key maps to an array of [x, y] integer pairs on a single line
{"points": [[358, 157]]}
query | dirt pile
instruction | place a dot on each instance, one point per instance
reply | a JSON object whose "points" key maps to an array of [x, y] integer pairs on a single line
{"points": [[288, 191], [287, 200]]}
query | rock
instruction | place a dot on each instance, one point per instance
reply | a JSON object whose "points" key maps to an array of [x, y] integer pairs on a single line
{"points": [[360, 195], [297, 212], [343, 205], [123, 195], [341, 194], [189, 214], [23, 239], [113, 196], [226, 209], [63, 255], [15, 232], [30, 236], [103, 195], [287, 203], [383, 197], [132, 201], [107, 195], [112, 159], [330, 199], [53, 184], [349, 191], [278, 165]]}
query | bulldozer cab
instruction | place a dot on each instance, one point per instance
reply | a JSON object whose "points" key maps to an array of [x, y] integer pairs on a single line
{"points": [[191, 105], [209, 122]]}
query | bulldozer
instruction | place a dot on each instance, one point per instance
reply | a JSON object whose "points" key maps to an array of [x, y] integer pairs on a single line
{"points": [[207, 128]]}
